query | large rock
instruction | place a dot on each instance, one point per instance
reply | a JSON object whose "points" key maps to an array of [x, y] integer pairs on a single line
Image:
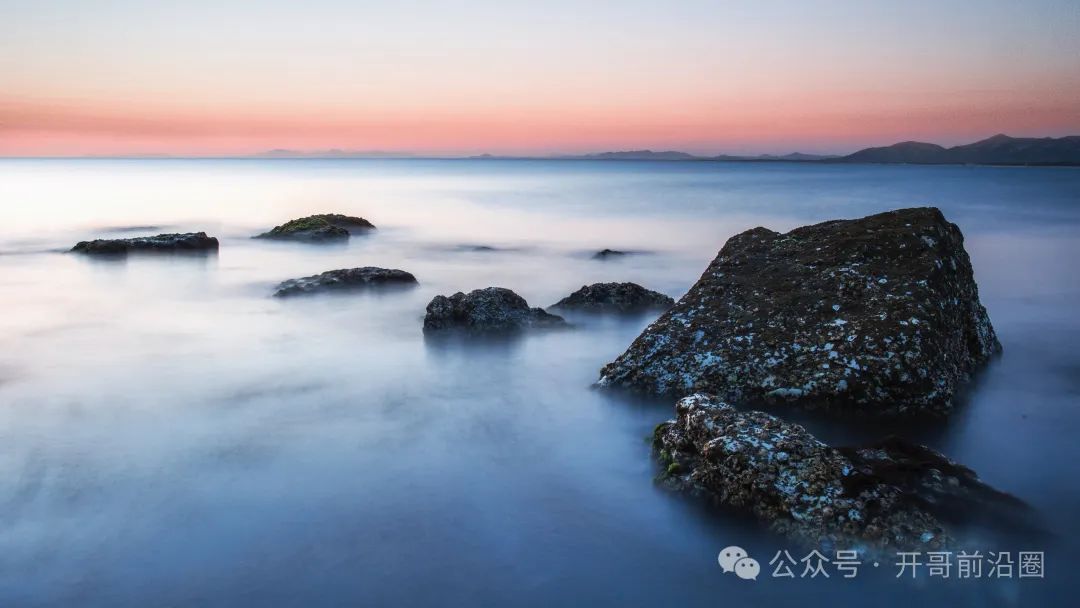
{"points": [[622, 298], [893, 495], [490, 310], [346, 279], [879, 314], [189, 241], [323, 227]]}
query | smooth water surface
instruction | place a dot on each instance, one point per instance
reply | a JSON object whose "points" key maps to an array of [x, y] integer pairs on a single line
{"points": [[170, 435]]}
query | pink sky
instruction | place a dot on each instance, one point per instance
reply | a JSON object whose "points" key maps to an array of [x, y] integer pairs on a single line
{"points": [[747, 78]]}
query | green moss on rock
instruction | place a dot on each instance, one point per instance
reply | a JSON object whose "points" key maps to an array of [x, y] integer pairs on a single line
{"points": [[319, 227]]}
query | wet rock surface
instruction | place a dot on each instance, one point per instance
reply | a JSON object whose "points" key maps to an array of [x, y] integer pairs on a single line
{"points": [[879, 315], [162, 243], [323, 227], [618, 298], [368, 277], [489, 310], [888, 496]]}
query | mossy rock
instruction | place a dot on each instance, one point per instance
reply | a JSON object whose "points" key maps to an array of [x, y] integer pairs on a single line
{"points": [[320, 227], [657, 434]]}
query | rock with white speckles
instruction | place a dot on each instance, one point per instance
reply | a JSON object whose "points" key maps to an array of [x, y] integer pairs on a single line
{"points": [[888, 496], [879, 315]]}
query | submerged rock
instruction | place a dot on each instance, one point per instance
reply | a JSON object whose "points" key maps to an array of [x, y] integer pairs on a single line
{"points": [[604, 254], [319, 228], [349, 278], [129, 229], [892, 495], [490, 310], [620, 298], [188, 241], [879, 314]]}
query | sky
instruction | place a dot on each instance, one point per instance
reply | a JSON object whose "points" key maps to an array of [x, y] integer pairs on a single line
{"points": [[228, 77]]}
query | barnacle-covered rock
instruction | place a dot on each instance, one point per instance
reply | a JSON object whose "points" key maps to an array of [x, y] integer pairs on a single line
{"points": [[892, 495], [367, 277], [621, 298], [319, 228], [879, 314], [162, 243], [489, 310]]}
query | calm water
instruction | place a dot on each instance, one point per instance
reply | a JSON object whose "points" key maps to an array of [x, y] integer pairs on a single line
{"points": [[171, 435]]}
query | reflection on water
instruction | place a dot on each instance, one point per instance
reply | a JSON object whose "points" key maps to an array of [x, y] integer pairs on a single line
{"points": [[170, 434]]}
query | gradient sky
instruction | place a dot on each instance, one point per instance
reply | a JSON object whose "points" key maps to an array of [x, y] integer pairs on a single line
{"points": [[231, 77]]}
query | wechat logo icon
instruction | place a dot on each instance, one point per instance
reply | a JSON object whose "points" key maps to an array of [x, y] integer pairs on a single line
{"points": [[736, 560]]}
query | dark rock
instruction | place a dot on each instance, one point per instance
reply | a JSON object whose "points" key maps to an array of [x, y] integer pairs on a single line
{"points": [[490, 310], [319, 228], [351, 223], [889, 496], [952, 491], [346, 279], [604, 254], [190, 241], [879, 315], [621, 298], [475, 248]]}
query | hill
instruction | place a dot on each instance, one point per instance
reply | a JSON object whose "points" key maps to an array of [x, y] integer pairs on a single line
{"points": [[996, 150]]}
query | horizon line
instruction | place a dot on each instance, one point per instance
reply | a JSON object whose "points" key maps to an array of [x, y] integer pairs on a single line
{"points": [[356, 154]]}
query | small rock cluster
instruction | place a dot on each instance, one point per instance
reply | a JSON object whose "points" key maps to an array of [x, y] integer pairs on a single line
{"points": [[490, 310], [879, 315]]}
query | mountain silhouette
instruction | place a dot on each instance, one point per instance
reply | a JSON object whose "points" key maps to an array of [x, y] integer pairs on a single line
{"points": [[997, 150]]}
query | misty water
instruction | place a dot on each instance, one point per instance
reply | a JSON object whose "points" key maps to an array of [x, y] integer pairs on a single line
{"points": [[172, 435]]}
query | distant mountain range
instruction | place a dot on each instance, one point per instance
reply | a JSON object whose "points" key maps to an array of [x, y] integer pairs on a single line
{"points": [[673, 155], [996, 150], [332, 153]]}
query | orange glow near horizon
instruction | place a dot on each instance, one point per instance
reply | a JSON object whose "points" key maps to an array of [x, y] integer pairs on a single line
{"points": [[203, 79], [813, 125]]}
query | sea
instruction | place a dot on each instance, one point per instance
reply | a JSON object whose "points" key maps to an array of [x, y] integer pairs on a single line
{"points": [[172, 435]]}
